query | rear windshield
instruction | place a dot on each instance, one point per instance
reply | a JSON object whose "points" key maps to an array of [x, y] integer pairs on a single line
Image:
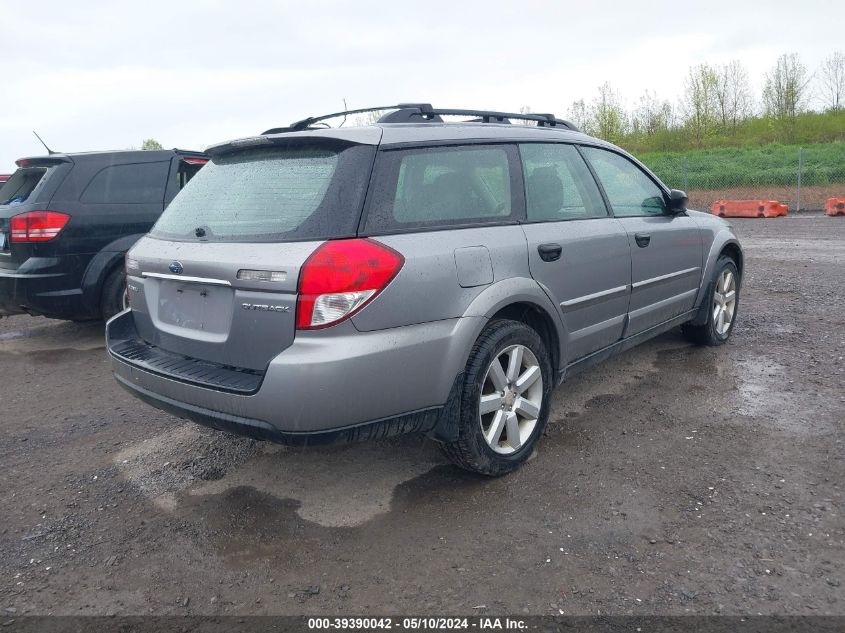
{"points": [[20, 187], [268, 195]]}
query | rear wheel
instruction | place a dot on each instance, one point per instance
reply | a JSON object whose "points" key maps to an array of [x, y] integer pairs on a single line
{"points": [[724, 302], [114, 298], [506, 399]]}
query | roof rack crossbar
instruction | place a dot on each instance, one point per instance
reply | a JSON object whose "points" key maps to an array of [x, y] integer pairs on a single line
{"points": [[489, 116], [304, 124], [429, 113]]}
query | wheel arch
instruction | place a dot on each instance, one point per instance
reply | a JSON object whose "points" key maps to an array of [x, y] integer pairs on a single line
{"points": [[732, 250], [537, 319], [725, 243], [522, 299], [102, 265]]}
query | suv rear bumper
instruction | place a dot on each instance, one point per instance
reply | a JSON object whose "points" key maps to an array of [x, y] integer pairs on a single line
{"points": [[36, 294], [332, 382], [40, 290]]}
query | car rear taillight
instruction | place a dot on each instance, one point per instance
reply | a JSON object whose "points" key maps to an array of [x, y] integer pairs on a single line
{"points": [[37, 226], [340, 278]]}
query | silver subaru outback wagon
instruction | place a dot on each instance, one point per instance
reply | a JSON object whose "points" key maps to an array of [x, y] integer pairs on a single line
{"points": [[415, 275]]}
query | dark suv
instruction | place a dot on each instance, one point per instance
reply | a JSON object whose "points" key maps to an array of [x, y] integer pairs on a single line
{"points": [[66, 221]]}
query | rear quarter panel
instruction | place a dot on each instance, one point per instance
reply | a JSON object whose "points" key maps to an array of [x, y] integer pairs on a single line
{"points": [[428, 288]]}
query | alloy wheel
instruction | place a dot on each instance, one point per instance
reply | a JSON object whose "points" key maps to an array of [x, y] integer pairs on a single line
{"points": [[724, 302], [511, 399]]}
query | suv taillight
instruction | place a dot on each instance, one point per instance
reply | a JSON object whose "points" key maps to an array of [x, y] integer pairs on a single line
{"points": [[340, 278], [37, 226]]}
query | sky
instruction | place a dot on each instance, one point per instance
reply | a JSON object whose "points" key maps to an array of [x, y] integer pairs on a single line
{"points": [[107, 75]]}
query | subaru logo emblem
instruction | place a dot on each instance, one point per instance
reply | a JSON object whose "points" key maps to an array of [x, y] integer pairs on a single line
{"points": [[176, 268]]}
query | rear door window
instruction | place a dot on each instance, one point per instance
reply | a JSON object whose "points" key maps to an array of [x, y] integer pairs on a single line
{"points": [[442, 186], [290, 193], [140, 183], [22, 185], [558, 185]]}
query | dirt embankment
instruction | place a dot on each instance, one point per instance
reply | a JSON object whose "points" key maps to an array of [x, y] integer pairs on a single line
{"points": [[812, 197]]}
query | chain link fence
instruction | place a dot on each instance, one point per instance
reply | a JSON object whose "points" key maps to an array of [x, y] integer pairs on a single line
{"points": [[802, 178]]}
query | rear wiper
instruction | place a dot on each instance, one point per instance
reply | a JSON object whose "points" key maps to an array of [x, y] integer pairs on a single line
{"points": [[203, 232]]}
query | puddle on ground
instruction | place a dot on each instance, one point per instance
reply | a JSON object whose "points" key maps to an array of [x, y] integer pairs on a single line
{"points": [[340, 486], [759, 381], [613, 377], [764, 392], [53, 335], [335, 486]]}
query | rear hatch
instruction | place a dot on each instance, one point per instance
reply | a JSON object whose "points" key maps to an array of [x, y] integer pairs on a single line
{"points": [[28, 189], [216, 278]]}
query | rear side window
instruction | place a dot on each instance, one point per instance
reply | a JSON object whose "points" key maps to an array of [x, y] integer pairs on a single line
{"points": [[441, 186], [22, 184], [291, 193], [629, 189], [558, 185], [141, 183]]}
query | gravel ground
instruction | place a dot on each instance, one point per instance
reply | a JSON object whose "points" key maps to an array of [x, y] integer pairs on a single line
{"points": [[673, 480]]}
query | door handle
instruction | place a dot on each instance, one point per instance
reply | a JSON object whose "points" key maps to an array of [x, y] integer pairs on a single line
{"points": [[642, 239], [549, 252]]}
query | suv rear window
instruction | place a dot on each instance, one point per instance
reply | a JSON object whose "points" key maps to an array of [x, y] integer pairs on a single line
{"points": [[441, 186], [267, 195], [20, 186]]}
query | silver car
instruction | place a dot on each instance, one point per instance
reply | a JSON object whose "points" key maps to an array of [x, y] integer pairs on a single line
{"points": [[415, 275]]}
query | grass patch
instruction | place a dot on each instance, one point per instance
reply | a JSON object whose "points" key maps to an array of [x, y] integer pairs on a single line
{"points": [[774, 164]]}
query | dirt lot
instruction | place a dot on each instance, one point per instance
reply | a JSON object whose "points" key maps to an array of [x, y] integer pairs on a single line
{"points": [[672, 480]]}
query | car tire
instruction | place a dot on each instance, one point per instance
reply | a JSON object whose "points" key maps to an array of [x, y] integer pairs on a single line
{"points": [[113, 298], [722, 305], [500, 417]]}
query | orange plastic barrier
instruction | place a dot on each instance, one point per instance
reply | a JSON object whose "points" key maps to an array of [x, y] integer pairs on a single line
{"points": [[748, 208], [835, 206]]}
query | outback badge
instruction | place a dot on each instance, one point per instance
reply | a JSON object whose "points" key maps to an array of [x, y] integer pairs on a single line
{"points": [[263, 307]]}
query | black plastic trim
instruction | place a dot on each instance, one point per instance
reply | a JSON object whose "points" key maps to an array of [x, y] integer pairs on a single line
{"points": [[420, 421], [125, 344], [625, 344]]}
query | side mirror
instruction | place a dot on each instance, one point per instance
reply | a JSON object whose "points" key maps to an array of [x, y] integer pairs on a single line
{"points": [[677, 201]]}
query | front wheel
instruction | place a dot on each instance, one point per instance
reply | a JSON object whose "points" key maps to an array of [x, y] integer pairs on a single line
{"points": [[505, 401], [724, 302]]}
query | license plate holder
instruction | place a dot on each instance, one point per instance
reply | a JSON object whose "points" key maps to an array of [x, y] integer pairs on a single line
{"points": [[195, 306]]}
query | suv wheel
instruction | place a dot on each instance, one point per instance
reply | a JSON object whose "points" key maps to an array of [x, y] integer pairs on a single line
{"points": [[723, 302], [506, 398], [114, 298]]}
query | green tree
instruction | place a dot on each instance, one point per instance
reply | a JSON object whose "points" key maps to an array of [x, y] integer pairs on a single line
{"points": [[700, 102], [580, 116], [608, 116], [733, 95], [833, 81], [151, 143], [785, 92], [651, 115]]}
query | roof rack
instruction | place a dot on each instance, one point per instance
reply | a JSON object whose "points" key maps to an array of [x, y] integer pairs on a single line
{"points": [[422, 112]]}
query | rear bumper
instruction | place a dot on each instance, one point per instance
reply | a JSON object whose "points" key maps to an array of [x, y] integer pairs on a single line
{"points": [[52, 294], [332, 382]]}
